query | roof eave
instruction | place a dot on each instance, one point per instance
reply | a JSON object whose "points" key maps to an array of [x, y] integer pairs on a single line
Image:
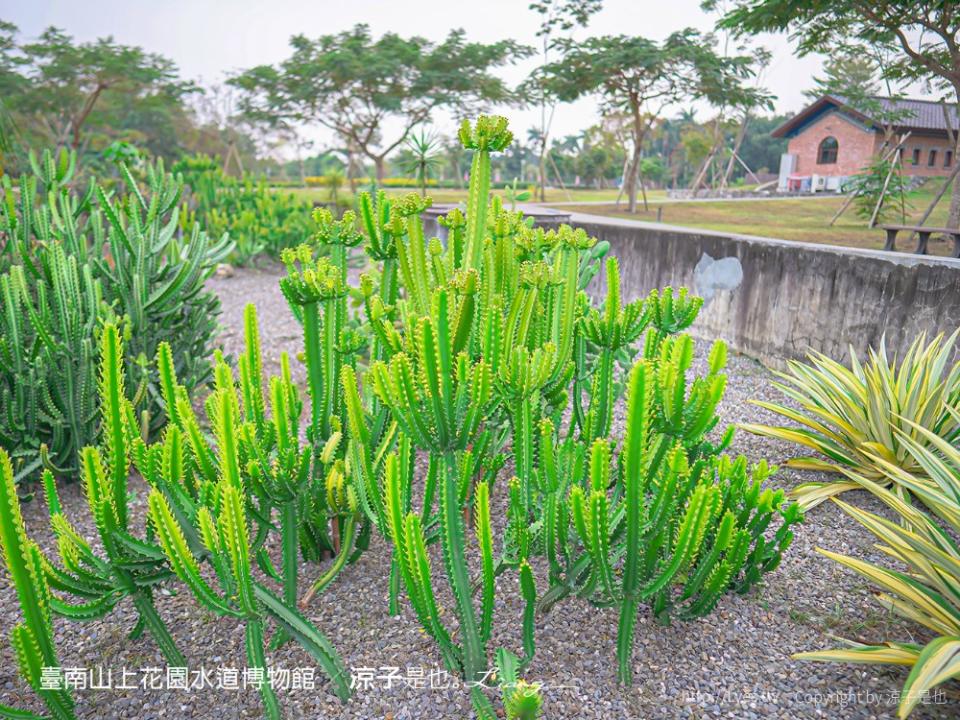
{"points": [[802, 116]]}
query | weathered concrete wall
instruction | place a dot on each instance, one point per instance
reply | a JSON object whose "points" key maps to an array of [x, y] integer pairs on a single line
{"points": [[773, 299]]}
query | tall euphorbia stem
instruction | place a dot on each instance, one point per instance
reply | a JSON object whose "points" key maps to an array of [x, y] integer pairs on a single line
{"points": [[330, 370], [312, 350], [454, 555], [477, 199]]}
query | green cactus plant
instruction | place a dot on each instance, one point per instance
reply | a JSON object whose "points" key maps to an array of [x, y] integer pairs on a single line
{"points": [[256, 444], [32, 638], [222, 525], [609, 331], [438, 399], [521, 700], [73, 261], [471, 354], [258, 218], [488, 134], [670, 528], [207, 497], [132, 567], [316, 289], [48, 362]]}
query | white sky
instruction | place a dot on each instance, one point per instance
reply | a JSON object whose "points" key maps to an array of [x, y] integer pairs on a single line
{"points": [[210, 38]]}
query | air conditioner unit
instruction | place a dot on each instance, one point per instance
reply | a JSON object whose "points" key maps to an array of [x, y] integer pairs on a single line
{"points": [[818, 183]]}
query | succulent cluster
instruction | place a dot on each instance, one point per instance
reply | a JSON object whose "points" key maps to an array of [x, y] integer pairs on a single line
{"points": [[257, 218], [73, 261], [491, 355], [476, 379]]}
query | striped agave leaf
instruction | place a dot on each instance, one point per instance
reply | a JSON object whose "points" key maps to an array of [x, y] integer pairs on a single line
{"points": [[865, 418], [929, 591]]}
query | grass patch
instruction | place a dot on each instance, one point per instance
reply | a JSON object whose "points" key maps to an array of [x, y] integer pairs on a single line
{"points": [[802, 219], [445, 195]]}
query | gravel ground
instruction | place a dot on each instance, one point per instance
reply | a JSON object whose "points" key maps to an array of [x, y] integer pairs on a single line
{"points": [[733, 664]]}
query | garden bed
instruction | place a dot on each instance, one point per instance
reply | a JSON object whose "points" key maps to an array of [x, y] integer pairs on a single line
{"points": [[733, 663]]}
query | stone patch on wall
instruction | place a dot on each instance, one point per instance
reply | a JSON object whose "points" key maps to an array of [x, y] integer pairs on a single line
{"points": [[710, 276]]}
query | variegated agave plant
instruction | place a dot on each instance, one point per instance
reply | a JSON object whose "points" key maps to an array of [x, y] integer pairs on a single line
{"points": [[856, 418]]}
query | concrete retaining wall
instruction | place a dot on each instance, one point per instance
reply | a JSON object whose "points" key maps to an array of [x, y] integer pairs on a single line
{"points": [[774, 300]]}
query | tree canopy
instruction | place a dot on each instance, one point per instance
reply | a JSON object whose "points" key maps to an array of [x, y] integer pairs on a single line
{"points": [[641, 77], [925, 31], [60, 87], [352, 83]]}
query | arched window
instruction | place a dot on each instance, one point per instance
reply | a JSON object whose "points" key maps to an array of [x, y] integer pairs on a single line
{"points": [[827, 152]]}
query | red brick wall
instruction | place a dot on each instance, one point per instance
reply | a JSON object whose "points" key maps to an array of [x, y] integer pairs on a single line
{"points": [[857, 146], [925, 145]]}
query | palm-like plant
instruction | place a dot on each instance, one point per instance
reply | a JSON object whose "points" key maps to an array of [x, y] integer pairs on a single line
{"points": [[425, 155]]}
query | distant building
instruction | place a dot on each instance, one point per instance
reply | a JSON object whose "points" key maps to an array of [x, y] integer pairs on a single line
{"points": [[829, 141]]}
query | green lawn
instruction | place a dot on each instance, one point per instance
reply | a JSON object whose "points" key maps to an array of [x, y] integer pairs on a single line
{"points": [[443, 195], [791, 219]]}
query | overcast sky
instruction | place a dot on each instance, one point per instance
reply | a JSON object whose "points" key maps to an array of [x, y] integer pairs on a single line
{"points": [[210, 38]]}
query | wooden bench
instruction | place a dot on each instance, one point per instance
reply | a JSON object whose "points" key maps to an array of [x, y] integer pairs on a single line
{"points": [[924, 234]]}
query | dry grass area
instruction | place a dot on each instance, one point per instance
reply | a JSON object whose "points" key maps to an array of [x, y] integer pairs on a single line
{"points": [[805, 219]]}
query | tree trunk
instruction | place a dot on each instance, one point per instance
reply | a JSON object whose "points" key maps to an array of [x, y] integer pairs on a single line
{"points": [[711, 156], [352, 169], [623, 178], [542, 168], [630, 186], [741, 134], [82, 116], [631, 180], [953, 216], [381, 164]]}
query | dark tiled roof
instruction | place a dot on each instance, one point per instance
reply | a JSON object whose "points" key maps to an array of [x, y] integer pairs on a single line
{"points": [[923, 116], [920, 114]]}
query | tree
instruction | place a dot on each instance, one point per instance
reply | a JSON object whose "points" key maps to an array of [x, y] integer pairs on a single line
{"points": [[352, 84], [846, 74], [600, 156], [641, 77], [562, 16], [422, 155], [853, 74], [924, 33], [60, 88], [760, 150], [740, 99], [875, 187]]}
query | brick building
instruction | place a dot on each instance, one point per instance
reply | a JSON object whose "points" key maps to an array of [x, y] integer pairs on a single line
{"points": [[830, 141]]}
